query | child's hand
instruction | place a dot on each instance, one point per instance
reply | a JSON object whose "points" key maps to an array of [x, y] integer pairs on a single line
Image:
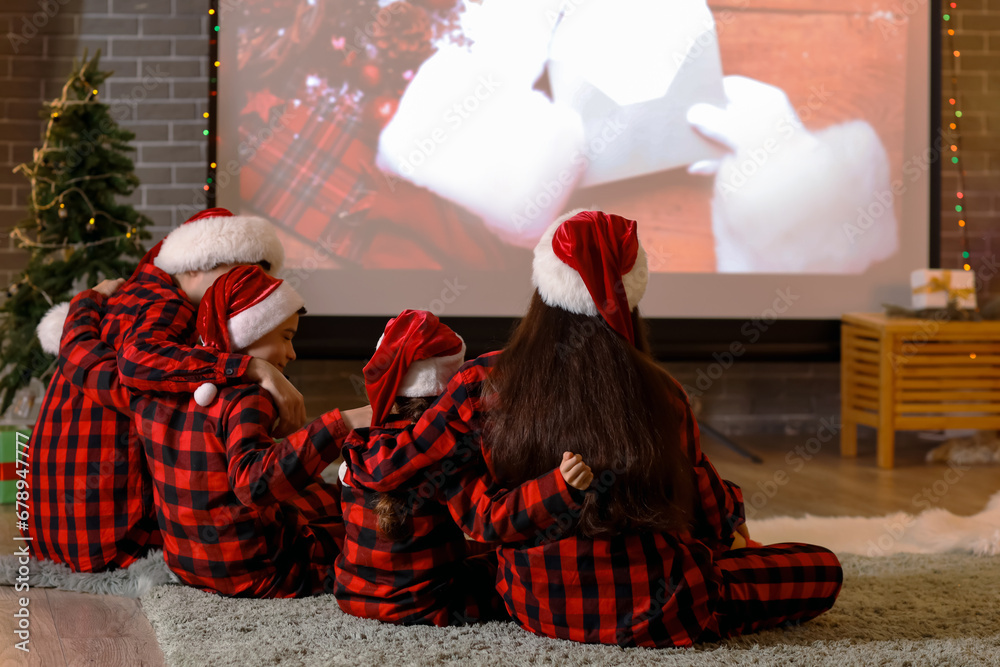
{"points": [[576, 473], [108, 287]]}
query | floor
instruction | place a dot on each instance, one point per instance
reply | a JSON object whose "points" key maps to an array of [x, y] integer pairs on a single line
{"points": [[798, 476]]}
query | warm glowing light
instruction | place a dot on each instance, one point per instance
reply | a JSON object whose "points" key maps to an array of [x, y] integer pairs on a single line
{"points": [[206, 188], [961, 223], [957, 54], [954, 148], [951, 32], [211, 11], [953, 126], [62, 205], [95, 91], [959, 195], [205, 114], [967, 267], [972, 356], [91, 221], [213, 165], [217, 63], [951, 101]]}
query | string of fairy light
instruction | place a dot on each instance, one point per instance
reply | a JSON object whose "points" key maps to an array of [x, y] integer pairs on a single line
{"points": [[213, 93], [956, 127]]}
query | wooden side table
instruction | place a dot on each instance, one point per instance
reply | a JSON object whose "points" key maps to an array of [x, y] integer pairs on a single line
{"points": [[910, 374]]}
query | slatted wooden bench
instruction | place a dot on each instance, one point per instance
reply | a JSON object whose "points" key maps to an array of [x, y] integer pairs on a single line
{"points": [[913, 374]]}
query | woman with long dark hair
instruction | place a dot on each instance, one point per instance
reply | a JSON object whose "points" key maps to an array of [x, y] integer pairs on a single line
{"points": [[656, 555]]}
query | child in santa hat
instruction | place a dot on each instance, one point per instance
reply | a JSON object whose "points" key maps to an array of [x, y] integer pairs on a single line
{"points": [[655, 558], [239, 513], [405, 557], [91, 493]]}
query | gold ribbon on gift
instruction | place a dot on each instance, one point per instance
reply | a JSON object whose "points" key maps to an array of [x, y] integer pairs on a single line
{"points": [[943, 284]]}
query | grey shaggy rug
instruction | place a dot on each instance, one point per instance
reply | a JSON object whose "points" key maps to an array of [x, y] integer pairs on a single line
{"points": [[905, 609]]}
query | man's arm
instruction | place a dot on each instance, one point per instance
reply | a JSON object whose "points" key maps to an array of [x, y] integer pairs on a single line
{"points": [[84, 358], [154, 358]]}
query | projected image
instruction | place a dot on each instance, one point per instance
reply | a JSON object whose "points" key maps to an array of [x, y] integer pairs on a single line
{"points": [[762, 137]]}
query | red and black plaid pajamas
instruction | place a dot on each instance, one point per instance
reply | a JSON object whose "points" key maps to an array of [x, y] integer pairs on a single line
{"points": [[240, 514], [432, 576], [92, 505], [667, 590]]}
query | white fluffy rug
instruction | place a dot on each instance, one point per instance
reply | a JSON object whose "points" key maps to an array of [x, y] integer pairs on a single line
{"points": [[934, 531]]}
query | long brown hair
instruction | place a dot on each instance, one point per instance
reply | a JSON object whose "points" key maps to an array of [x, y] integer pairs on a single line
{"points": [[569, 382], [390, 508]]}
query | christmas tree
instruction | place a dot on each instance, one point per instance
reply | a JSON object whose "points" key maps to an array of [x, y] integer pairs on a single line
{"points": [[75, 231]]}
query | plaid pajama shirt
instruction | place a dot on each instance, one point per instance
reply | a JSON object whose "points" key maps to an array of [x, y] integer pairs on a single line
{"points": [[90, 488], [432, 576], [91, 492], [240, 514], [633, 590]]}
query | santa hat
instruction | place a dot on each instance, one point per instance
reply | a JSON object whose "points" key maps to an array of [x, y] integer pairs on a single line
{"points": [[591, 263], [214, 237], [239, 308], [207, 239], [416, 356]]}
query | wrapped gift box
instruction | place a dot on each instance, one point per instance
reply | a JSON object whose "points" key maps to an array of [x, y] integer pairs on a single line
{"points": [[934, 288], [8, 460], [632, 69]]}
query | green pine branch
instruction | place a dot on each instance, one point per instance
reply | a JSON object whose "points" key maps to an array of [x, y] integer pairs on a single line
{"points": [[75, 229]]}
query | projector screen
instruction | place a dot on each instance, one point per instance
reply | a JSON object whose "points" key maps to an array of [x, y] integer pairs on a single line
{"points": [[776, 153]]}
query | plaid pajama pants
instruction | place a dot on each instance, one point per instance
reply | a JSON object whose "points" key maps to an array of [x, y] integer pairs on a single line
{"points": [[775, 585]]}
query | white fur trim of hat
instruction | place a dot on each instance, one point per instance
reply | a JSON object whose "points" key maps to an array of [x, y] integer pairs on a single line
{"points": [[250, 325], [50, 328], [210, 242], [429, 377], [560, 286]]}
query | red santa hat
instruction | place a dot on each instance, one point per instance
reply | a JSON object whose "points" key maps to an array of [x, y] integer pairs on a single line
{"points": [[207, 239], [214, 237], [416, 356], [239, 308], [591, 263]]}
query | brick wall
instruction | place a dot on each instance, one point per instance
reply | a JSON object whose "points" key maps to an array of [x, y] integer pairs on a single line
{"points": [[158, 47], [976, 78], [158, 51]]}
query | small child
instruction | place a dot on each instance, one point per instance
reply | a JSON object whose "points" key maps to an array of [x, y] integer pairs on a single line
{"points": [[405, 560], [241, 514]]}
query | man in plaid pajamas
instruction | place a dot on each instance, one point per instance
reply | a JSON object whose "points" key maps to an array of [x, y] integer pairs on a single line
{"points": [[631, 588], [91, 492]]}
